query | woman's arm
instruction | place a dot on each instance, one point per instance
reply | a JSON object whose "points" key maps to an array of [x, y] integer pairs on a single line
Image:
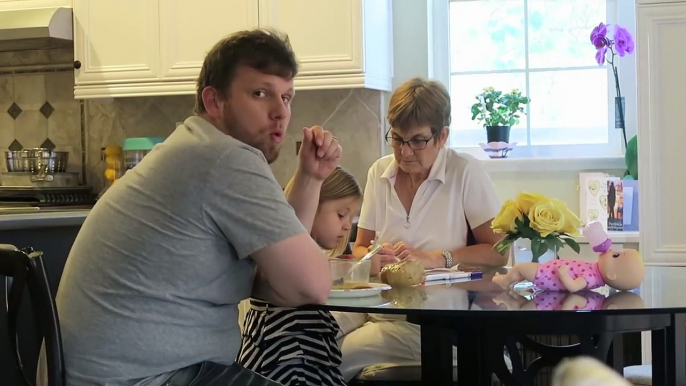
{"points": [[483, 253], [363, 240]]}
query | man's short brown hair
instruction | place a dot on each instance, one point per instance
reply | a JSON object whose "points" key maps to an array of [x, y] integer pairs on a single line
{"points": [[420, 102], [264, 50]]}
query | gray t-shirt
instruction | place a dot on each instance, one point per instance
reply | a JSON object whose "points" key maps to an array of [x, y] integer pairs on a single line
{"points": [[154, 277]]}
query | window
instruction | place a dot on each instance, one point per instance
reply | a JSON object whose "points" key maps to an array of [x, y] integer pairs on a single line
{"points": [[542, 48]]}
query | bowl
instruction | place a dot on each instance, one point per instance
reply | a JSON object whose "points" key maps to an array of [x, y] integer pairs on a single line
{"points": [[36, 160], [350, 274]]}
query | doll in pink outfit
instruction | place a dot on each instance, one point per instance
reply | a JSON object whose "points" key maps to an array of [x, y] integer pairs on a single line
{"points": [[621, 270]]}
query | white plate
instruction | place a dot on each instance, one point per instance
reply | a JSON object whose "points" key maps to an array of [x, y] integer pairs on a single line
{"points": [[375, 289]]}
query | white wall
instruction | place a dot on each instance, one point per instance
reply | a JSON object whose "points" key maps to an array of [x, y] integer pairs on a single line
{"points": [[410, 40]]}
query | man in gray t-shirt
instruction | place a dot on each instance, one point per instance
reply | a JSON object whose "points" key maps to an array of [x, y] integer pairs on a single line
{"points": [[150, 290]]}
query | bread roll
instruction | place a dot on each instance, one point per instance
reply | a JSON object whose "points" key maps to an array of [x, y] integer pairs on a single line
{"points": [[405, 273]]}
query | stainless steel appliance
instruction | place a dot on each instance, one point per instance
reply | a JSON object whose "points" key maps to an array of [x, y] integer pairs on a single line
{"points": [[37, 180]]}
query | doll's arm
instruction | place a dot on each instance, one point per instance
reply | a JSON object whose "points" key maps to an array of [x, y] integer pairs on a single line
{"points": [[520, 272], [571, 285]]}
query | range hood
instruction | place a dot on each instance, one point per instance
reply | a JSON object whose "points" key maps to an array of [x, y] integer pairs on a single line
{"points": [[35, 29]]}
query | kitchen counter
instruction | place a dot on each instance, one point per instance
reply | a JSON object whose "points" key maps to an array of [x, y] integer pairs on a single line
{"points": [[42, 218]]}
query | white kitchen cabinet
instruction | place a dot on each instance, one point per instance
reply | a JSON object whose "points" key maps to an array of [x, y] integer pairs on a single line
{"points": [[660, 32], [156, 47], [188, 30], [338, 42], [117, 43], [10, 5]]}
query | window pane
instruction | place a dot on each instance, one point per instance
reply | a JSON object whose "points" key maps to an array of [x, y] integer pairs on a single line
{"points": [[487, 35], [559, 32], [463, 92], [569, 107]]}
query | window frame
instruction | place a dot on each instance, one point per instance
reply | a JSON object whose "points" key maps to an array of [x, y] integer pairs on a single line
{"points": [[618, 11]]}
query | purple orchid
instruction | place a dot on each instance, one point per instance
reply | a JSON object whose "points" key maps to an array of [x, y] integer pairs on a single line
{"points": [[621, 44], [600, 55], [598, 36], [624, 43]]}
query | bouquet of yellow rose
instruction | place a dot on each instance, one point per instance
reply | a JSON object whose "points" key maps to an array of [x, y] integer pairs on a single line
{"points": [[547, 222]]}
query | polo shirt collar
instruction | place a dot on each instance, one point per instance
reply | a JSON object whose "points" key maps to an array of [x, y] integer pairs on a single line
{"points": [[437, 171]]}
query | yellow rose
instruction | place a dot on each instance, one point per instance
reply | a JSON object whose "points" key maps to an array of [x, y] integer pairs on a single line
{"points": [[527, 200], [572, 222], [547, 217], [505, 220]]}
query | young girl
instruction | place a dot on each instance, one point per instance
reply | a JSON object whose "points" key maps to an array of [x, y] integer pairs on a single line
{"points": [[298, 347]]}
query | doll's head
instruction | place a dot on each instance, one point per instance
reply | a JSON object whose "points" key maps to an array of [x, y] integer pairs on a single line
{"points": [[622, 270]]}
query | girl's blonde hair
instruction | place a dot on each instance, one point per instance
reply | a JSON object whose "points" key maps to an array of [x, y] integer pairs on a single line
{"points": [[339, 184]]}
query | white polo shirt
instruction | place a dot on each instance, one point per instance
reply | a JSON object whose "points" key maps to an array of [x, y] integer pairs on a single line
{"points": [[457, 190]]}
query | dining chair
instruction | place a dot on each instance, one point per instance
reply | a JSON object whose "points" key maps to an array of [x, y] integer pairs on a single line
{"points": [[23, 269]]}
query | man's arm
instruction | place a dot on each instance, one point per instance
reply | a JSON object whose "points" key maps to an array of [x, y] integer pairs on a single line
{"points": [[302, 193], [246, 204], [319, 156], [292, 272]]}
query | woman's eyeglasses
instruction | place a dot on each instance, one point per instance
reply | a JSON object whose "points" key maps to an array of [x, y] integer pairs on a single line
{"points": [[414, 144]]}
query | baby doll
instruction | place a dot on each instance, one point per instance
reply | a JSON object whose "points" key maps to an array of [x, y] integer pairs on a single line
{"points": [[621, 270]]}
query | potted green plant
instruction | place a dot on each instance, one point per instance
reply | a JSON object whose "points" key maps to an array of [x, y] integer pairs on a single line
{"points": [[499, 112]]}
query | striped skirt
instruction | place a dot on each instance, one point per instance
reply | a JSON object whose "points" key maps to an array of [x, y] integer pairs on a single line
{"points": [[291, 346]]}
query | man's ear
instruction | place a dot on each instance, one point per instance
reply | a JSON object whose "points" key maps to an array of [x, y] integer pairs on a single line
{"points": [[212, 101]]}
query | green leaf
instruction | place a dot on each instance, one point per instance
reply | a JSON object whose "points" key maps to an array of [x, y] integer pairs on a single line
{"points": [[573, 244], [536, 250], [558, 243], [519, 223], [503, 245], [550, 244]]}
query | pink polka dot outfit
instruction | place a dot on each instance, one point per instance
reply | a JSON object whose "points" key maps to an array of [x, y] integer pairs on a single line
{"points": [[552, 300], [547, 279]]}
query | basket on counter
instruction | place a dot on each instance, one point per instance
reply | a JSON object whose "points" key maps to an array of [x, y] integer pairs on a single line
{"points": [[36, 160]]}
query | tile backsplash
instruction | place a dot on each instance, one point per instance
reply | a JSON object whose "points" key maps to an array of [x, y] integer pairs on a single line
{"points": [[37, 107], [36, 111], [354, 116]]}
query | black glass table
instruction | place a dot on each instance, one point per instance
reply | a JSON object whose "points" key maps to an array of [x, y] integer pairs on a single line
{"points": [[483, 321]]}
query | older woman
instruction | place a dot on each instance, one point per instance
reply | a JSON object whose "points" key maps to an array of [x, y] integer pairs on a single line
{"points": [[421, 203]]}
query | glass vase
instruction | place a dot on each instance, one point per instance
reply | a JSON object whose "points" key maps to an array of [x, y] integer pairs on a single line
{"points": [[522, 253]]}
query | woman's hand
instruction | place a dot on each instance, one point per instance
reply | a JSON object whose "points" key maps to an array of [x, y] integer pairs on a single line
{"points": [[384, 257], [429, 260]]}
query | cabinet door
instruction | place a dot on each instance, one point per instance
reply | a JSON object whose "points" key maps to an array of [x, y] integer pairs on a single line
{"points": [[661, 62], [189, 29], [326, 35], [116, 41], [8, 5]]}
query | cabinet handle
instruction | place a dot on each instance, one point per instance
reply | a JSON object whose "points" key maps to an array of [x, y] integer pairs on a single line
{"points": [[77, 64]]}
